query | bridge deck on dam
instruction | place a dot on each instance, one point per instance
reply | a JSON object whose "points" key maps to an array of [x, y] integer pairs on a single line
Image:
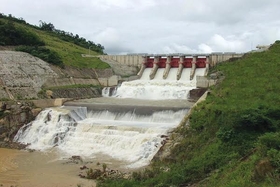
{"points": [[138, 106]]}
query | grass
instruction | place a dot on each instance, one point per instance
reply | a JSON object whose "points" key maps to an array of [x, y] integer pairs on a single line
{"points": [[73, 86], [69, 52], [229, 134]]}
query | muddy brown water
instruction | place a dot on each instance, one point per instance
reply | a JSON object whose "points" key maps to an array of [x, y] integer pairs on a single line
{"points": [[20, 168]]}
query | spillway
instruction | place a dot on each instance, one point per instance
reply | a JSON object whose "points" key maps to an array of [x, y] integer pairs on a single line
{"points": [[123, 136], [130, 124], [159, 88]]}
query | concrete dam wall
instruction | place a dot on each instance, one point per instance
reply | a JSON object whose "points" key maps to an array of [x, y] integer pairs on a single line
{"points": [[168, 61], [137, 59]]}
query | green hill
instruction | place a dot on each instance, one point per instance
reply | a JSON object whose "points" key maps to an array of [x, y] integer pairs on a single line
{"points": [[232, 138], [52, 45]]}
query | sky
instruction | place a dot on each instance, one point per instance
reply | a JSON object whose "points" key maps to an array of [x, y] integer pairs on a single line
{"points": [[158, 26]]}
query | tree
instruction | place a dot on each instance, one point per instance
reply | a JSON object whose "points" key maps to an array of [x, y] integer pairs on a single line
{"points": [[46, 26]]}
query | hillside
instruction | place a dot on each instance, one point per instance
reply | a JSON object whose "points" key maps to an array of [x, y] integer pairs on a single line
{"points": [[232, 138], [54, 63], [55, 43]]}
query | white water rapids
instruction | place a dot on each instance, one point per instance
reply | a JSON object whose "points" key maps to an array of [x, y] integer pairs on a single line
{"points": [[157, 88], [127, 137]]}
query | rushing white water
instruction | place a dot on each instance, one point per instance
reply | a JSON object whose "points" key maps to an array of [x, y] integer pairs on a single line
{"points": [[127, 137], [124, 136], [158, 88]]}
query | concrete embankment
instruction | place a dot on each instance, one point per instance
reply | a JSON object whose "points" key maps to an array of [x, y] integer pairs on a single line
{"points": [[137, 106], [22, 76]]}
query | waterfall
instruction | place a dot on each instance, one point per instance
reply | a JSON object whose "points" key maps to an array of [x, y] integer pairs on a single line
{"points": [[157, 88], [123, 136]]}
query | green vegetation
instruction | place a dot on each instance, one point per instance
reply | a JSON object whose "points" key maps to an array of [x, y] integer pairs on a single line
{"points": [[52, 45], [69, 37], [73, 86], [233, 138], [12, 35], [42, 53]]}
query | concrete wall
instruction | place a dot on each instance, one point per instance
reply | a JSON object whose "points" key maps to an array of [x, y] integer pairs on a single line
{"points": [[203, 82], [45, 103], [216, 58], [136, 60], [130, 60]]}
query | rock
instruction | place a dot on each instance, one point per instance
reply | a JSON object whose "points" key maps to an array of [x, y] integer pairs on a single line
{"points": [[195, 94], [7, 111], [76, 159], [23, 117], [49, 94], [83, 167], [3, 106], [15, 116], [6, 139], [36, 111], [82, 176]]}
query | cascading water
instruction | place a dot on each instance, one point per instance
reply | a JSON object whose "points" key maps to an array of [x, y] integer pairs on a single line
{"points": [[158, 88], [123, 136], [127, 136]]}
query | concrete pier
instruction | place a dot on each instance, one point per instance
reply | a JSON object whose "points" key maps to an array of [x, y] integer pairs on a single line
{"points": [[193, 67], [155, 67], [167, 67]]}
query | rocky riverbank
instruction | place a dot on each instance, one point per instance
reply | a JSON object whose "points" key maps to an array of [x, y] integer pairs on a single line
{"points": [[13, 115]]}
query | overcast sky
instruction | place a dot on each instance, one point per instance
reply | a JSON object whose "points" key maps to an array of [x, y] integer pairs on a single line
{"points": [[159, 26]]}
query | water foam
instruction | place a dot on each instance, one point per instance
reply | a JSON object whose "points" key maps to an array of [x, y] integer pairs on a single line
{"points": [[158, 88], [123, 136]]}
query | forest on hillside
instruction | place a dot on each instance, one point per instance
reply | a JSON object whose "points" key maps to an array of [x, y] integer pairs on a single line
{"points": [[40, 41], [49, 27]]}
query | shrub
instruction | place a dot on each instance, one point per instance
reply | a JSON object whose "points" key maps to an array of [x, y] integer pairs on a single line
{"points": [[270, 140], [43, 53], [12, 35]]}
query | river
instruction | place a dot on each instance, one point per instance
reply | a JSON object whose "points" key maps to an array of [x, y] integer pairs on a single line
{"points": [[38, 169]]}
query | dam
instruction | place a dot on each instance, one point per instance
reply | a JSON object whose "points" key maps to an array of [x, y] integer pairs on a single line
{"points": [[129, 124], [163, 78]]}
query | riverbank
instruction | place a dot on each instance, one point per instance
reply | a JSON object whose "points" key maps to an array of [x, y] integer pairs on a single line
{"points": [[24, 169]]}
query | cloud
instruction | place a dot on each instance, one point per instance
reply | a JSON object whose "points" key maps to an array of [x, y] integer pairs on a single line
{"points": [[111, 37], [176, 48], [204, 48], [150, 26], [127, 5], [229, 44]]}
